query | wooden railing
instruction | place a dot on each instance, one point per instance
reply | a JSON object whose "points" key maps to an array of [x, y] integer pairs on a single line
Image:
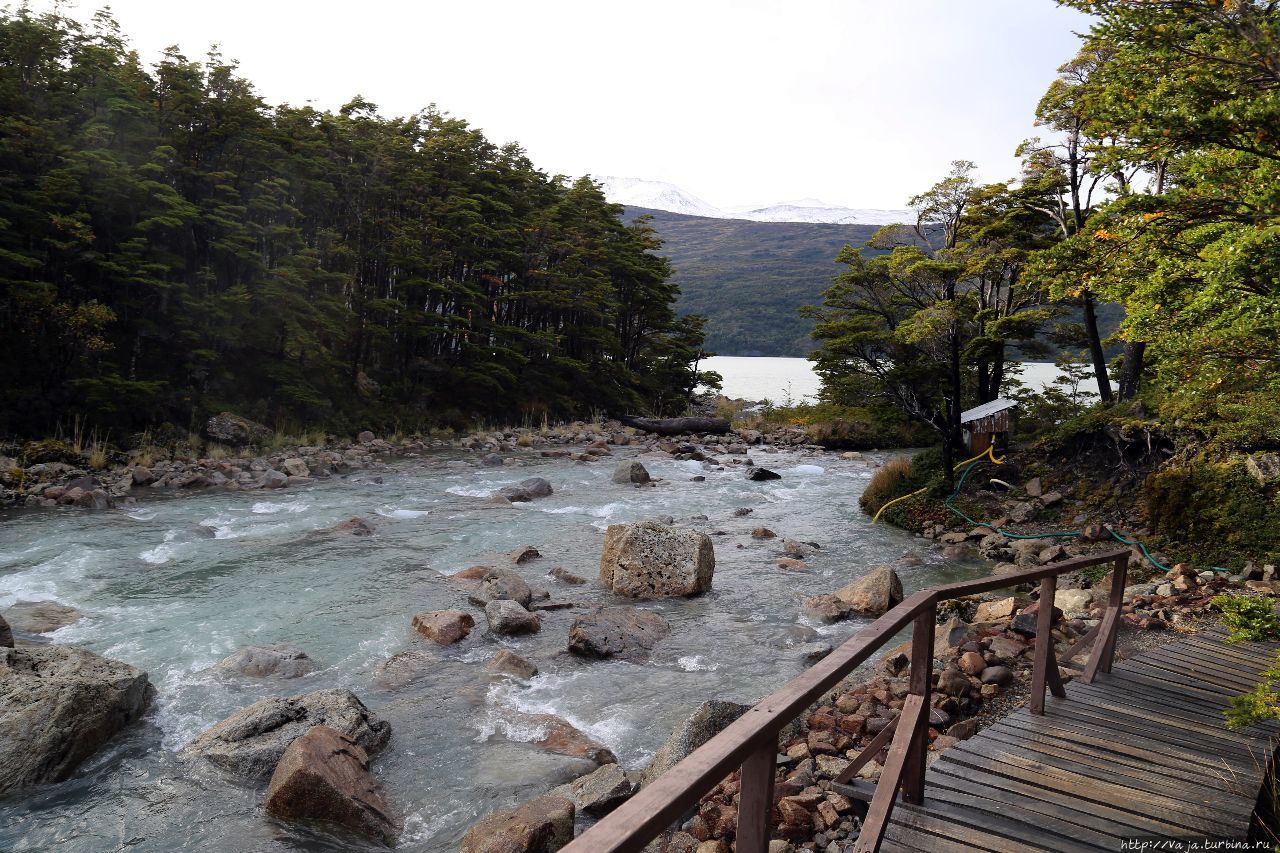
{"points": [[751, 742]]}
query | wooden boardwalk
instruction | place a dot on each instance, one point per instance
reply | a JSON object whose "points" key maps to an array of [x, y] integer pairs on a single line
{"points": [[1140, 753]]}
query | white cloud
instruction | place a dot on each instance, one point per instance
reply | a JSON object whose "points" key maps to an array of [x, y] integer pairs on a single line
{"points": [[855, 102]]}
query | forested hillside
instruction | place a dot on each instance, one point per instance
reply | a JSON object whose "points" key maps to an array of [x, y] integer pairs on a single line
{"points": [[750, 279], [170, 246]]}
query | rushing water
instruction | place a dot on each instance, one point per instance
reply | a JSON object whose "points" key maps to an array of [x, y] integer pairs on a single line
{"points": [[787, 381], [173, 585]]}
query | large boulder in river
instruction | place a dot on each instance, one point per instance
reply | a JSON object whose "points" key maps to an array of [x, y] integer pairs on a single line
{"points": [[6, 634], [230, 428], [510, 618], [600, 791], [543, 825], [631, 472], [58, 705], [251, 741], [651, 560], [444, 626], [502, 585], [702, 725], [526, 490], [617, 632], [874, 593], [281, 660], [324, 776], [40, 617]]}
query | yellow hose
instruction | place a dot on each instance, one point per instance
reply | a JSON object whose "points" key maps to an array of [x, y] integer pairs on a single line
{"points": [[989, 453]]}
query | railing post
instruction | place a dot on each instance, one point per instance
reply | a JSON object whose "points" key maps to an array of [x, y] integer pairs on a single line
{"points": [[922, 634], [1104, 649], [1042, 675], [755, 800]]}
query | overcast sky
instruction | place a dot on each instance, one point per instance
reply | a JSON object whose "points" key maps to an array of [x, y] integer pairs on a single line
{"points": [[739, 102]]}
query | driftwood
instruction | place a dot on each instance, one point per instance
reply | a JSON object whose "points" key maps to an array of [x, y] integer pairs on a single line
{"points": [[676, 426]]}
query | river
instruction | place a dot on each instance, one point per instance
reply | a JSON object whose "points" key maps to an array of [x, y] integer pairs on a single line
{"points": [[788, 381], [172, 585]]}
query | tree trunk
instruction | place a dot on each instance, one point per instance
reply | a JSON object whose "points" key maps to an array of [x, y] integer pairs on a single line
{"points": [[1131, 369], [676, 426], [1096, 354]]}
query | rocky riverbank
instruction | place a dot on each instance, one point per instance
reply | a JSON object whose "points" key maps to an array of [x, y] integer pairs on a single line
{"points": [[231, 459]]}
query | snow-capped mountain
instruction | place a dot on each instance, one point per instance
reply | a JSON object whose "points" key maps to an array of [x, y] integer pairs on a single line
{"points": [[657, 195], [660, 195]]}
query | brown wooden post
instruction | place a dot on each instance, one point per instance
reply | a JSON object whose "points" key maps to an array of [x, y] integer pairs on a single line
{"points": [[1105, 647], [922, 634], [1044, 657], [755, 804]]}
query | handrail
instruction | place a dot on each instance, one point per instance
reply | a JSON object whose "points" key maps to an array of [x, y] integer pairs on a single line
{"points": [[751, 742]]}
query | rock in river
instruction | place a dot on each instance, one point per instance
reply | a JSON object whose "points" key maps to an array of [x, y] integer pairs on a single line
{"points": [[630, 472], [759, 475], [324, 776], [543, 825], [58, 705], [510, 618], [706, 722], [617, 632], [874, 593], [6, 635], [444, 626], [40, 617], [599, 792], [509, 663], [280, 659], [526, 490], [502, 585], [651, 560], [251, 741]]}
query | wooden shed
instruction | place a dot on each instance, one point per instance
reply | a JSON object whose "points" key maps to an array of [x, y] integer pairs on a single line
{"points": [[987, 424]]}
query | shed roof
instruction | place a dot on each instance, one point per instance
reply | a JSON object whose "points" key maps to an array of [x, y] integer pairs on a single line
{"points": [[986, 409]]}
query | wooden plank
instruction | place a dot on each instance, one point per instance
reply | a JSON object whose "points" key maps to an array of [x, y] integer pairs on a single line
{"points": [[989, 836], [1138, 676], [1121, 823], [1043, 649], [1141, 806], [1113, 764], [1169, 708], [1201, 802], [1129, 726], [914, 710], [1066, 835], [1234, 651], [1106, 750], [756, 798], [1167, 704], [870, 751], [914, 839], [1080, 824], [1217, 677], [1183, 702], [1186, 723], [1171, 675], [921, 681], [1147, 743]]}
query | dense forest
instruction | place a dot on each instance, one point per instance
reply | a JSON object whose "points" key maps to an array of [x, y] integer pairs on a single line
{"points": [[1156, 186], [172, 246]]}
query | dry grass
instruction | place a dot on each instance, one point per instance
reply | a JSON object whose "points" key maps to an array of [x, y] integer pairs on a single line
{"points": [[891, 480]]}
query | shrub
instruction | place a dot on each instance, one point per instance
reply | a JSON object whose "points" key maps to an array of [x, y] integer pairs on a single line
{"points": [[1249, 617], [1214, 509], [891, 480]]}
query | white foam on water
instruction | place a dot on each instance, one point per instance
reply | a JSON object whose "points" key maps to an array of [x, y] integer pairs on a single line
{"points": [[695, 663], [550, 694], [402, 513], [693, 466], [470, 491], [808, 469], [269, 508], [163, 552], [563, 510], [141, 514], [422, 826], [44, 581]]}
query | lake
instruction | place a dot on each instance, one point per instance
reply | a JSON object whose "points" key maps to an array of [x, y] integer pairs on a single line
{"points": [[787, 381]]}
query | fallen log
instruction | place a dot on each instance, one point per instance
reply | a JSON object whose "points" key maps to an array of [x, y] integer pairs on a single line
{"points": [[676, 426]]}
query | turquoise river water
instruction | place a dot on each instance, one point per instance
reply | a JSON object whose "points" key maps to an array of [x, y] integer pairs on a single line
{"points": [[174, 584]]}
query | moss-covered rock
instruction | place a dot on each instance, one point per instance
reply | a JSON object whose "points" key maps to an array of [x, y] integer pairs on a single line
{"points": [[1215, 509]]}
